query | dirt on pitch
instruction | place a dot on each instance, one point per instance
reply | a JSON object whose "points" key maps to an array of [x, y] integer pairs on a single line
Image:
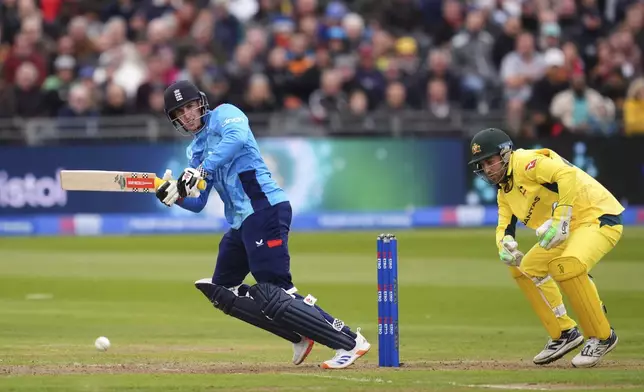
{"points": [[252, 368]]}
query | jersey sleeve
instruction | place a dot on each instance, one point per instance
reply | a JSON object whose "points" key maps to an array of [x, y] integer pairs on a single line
{"points": [[507, 223], [553, 172], [234, 128]]}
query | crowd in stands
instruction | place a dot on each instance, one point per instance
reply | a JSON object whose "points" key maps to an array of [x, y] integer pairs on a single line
{"points": [[550, 66]]}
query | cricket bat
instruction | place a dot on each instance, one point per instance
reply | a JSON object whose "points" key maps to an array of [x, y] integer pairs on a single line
{"points": [[112, 181]]}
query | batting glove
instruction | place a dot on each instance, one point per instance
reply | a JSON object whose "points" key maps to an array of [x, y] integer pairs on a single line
{"points": [[188, 182], [556, 230], [167, 176], [510, 253], [168, 193]]}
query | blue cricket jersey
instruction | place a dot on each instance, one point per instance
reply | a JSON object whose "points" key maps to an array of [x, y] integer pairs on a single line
{"points": [[227, 151]]}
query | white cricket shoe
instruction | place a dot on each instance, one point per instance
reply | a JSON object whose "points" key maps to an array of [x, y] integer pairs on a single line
{"points": [[301, 350], [557, 348], [594, 351], [344, 358]]}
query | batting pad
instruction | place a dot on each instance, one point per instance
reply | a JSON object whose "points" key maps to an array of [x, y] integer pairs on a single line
{"points": [[243, 308], [299, 316], [538, 301], [573, 279]]}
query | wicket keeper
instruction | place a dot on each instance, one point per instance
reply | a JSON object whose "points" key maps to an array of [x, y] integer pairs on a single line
{"points": [[225, 153], [577, 222]]}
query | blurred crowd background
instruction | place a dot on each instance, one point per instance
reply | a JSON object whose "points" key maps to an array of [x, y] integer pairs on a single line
{"points": [[551, 67]]}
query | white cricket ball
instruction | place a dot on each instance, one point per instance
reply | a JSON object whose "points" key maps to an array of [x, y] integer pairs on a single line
{"points": [[102, 343]]}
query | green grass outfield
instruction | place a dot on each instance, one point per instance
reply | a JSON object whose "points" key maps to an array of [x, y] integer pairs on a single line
{"points": [[464, 324]]}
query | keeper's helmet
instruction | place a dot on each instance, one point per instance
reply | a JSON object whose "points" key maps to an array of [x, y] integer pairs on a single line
{"points": [[486, 144], [179, 94]]}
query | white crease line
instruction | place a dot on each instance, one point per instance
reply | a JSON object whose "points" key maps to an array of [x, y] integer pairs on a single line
{"points": [[528, 387], [518, 387], [343, 378], [39, 296]]}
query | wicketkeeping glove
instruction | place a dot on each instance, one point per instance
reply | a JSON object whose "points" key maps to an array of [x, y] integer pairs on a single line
{"points": [[556, 230], [510, 253]]}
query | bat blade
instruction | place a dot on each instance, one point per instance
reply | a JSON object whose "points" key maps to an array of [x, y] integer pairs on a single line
{"points": [[113, 181], [109, 181]]}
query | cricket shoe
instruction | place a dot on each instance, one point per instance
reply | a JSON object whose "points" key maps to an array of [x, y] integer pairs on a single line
{"points": [[344, 358], [557, 348], [301, 350], [594, 351]]}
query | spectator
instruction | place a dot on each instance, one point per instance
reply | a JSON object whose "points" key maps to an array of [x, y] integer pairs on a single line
{"points": [[358, 103], [592, 29], [28, 98], [401, 17], [353, 25], [582, 109], [258, 98], [155, 104], [443, 57], [154, 77], [506, 41], [549, 35], [185, 16], [634, 108], [519, 70], [279, 76], [31, 29], [452, 23], [256, 38], [115, 101], [604, 65], [395, 98], [438, 68], [545, 89], [227, 32], [239, 71], [574, 63], [23, 52], [119, 61], [56, 87], [369, 79], [472, 55], [79, 105], [85, 49], [438, 102], [9, 21], [407, 60], [310, 27], [195, 70], [304, 68], [329, 98]]}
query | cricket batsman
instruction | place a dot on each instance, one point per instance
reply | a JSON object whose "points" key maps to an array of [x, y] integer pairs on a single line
{"points": [[225, 153], [577, 221]]}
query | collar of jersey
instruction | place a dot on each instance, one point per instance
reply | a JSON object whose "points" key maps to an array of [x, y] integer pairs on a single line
{"points": [[509, 173]]}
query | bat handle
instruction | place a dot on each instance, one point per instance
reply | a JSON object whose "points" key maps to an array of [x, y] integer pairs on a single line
{"points": [[159, 181], [202, 185]]}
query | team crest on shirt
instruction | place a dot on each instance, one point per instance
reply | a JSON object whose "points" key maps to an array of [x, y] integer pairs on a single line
{"points": [[522, 190], [531, 165], [476, 148]]}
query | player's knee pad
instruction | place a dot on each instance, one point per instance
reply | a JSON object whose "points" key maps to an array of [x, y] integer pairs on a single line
{"points": [[530, 288], [300, 316], [221, 297], [236, 303], [572, 276]]}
